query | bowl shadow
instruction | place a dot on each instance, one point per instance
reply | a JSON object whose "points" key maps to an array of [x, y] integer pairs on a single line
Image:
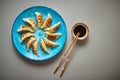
{"points": [[83, 42]]}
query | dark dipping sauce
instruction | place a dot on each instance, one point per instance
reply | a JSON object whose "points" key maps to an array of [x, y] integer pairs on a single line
{"points": [[81, 29]]}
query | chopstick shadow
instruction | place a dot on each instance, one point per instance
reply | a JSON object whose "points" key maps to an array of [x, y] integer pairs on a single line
{"points": [[80, 44], [37, 63]]}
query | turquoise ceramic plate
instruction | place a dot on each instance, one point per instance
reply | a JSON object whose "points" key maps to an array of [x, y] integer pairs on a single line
{"points": [[21, 48]]}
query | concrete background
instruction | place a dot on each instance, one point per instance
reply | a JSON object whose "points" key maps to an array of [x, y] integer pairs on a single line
{"points": [[96, 58]]}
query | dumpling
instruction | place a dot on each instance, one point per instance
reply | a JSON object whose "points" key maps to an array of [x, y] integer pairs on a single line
{"points": [[35, 47], [53, 28], [43, 46], [52, 35], [39, 19], [47, 23], [25, 35], [31, 22], [25, 28], [30, 41], [50, 43]]}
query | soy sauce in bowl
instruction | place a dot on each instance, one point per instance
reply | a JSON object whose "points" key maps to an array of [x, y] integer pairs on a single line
{"points": [[82, 29]]}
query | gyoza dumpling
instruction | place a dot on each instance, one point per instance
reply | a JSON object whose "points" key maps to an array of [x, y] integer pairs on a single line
{"points": [[39, 19], [25, 28], [47, 23], [30, 41], [35, 47], [49, 43], [43, 46], [52, 35], [53, 28], [25, 35], [31, 22]]}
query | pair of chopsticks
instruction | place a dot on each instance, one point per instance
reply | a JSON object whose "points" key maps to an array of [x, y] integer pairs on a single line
{"points": [[66, 56]]}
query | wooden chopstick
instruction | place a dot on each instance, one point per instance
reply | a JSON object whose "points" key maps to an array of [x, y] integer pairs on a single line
{"points": [[64, 67], [63, 57], [69, 55], [66, 54]]}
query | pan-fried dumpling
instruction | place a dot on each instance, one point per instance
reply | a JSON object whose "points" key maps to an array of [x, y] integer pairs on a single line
{"points": [[25, 28], [53, 28], [43, 46], [49, 43], [52, 35], [30, 41], [39, 19], [25, 35], [47, 23], [31, 22], [35, 47]]}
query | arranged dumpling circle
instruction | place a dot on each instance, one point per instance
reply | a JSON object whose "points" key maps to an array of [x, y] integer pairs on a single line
{"points": [[29, 28]]}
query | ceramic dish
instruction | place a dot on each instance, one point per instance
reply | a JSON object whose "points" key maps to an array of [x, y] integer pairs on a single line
{"points": [[21, 48]]}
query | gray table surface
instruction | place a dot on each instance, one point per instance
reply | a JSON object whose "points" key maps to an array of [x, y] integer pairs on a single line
{"points": [[97, 58]]}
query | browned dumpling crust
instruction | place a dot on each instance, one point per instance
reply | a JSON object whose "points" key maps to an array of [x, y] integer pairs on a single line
{"points": [[30, 37], [50, 43], [30, 41], [48, 21], [40, 19], [31, 22], [25, 35], [35, 47], [52, 35], [53, 28], [43, 46], [25, 28]]}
